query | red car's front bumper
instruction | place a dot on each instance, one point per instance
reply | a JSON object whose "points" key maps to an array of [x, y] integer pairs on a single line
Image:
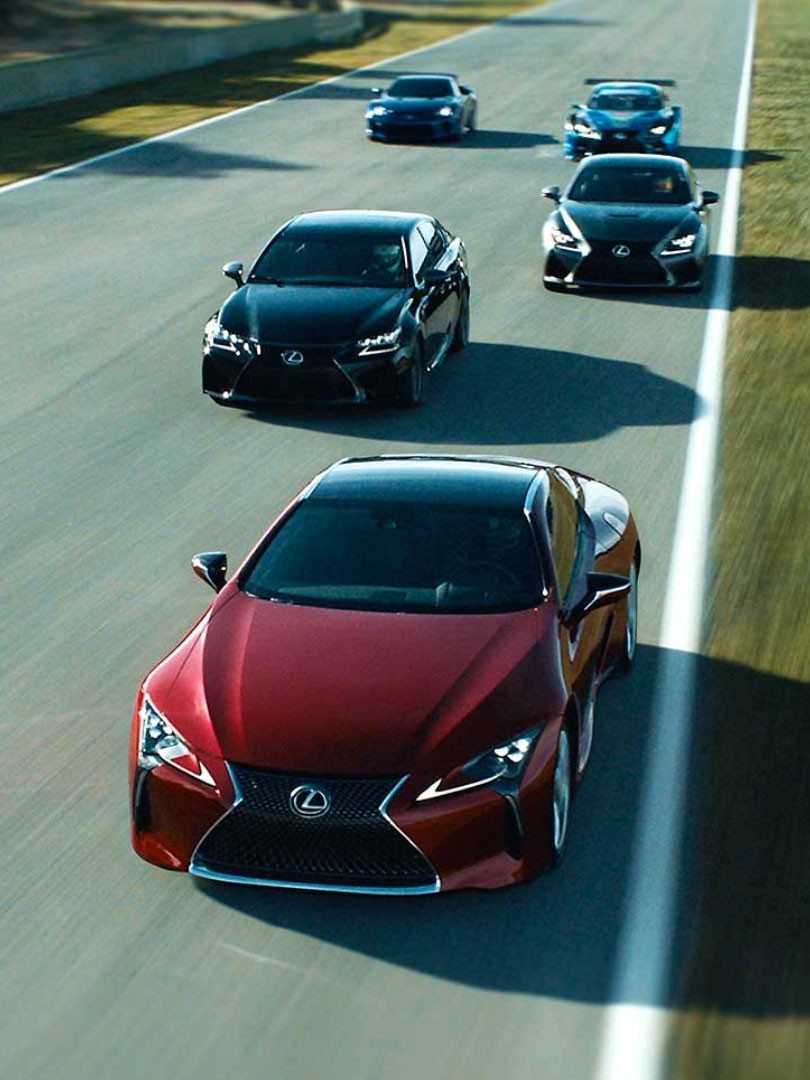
{"points": [[375, 838]]}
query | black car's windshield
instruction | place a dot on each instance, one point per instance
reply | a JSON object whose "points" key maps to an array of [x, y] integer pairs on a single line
{"points": [[411, 87], [399, 556], [336, 258], [626, 101], [631, 184]]}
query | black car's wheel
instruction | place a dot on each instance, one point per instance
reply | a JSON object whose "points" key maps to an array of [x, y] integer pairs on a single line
{"points": [[628, 652], [563, 791], [461, 334], [411, 381]]}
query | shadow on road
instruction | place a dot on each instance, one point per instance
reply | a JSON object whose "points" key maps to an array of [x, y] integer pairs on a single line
{"points": [[742, 943], [172, 158], [721, 157], [531, 395]]}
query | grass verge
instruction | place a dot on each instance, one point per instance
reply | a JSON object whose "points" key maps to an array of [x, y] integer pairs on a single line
{"points": [[746, 986], [37, 140]]}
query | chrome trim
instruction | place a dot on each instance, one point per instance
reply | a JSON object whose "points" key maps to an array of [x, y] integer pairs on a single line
{"points": [[433, 792], [371, 890], [359, 393]]}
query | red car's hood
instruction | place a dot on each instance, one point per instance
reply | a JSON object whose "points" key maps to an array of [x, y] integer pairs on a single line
{"points": [[328, 691]]}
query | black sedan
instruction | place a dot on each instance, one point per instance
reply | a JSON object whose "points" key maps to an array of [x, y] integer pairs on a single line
{"points": [[341, 306], [422, 108], [628, 219]]}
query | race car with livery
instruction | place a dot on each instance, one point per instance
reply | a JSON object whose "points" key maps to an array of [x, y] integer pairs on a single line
{"points": [[623, 115]]}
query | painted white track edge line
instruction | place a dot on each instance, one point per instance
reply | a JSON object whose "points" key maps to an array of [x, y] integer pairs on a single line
{"points": [[635, 1038], [76, 165]]}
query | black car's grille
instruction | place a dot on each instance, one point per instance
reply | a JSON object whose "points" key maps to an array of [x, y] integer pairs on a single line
{"points": [[406, 132], [314, 378], [638, 267], [351, 845]]}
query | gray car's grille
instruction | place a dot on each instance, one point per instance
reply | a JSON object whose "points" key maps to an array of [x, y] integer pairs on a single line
{"points": [[352, 845]]}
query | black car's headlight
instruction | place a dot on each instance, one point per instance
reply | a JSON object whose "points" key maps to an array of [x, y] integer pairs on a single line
{"points": [[503, 764], [559, 237], [216, 335], [159, 743], [381, 343], [681, 244]]}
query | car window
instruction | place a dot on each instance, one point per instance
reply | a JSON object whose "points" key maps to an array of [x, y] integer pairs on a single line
{"points": [[433, 239], [631, 184], [562, 520], [299, 257], [389, 556], [417, 87], [625, 101], [419, 253]]}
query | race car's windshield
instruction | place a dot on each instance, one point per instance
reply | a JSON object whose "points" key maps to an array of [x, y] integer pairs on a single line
{"points": [[396, 556], [635, 101], [631, 184], [411, 87], [336, 258]]}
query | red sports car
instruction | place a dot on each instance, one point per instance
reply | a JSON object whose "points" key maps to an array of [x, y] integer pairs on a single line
{"points": [[395, 691]]}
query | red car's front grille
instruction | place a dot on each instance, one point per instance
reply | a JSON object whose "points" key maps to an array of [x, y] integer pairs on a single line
{"points": [[351, 845]]}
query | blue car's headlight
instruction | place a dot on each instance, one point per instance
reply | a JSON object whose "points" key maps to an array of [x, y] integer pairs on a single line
{"points": [[582, 127], [504, 763], [447, 110], [658, 129], [377, 110]]}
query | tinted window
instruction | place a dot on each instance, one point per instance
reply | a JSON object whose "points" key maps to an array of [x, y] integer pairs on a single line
{"points": [[419, 253], [337, 258], [631, 184], [429, 87], [636, 101], [562, 519], [399, 557]]}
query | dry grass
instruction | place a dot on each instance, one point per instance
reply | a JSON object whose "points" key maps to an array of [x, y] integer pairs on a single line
{"points": [[33, 141]]}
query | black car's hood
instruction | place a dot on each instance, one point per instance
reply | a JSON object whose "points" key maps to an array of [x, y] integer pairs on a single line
{"points": [[311, 314], [618, 221], [416, 106]]}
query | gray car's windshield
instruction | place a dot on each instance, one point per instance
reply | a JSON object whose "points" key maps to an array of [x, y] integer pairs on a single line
{"points": [[337, 258], [627, 101], [631, 184], [421, 88], [399, 556]]}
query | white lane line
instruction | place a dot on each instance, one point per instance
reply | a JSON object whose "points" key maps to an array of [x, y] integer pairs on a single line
{"points": [[199, 124], [634, 1040]]}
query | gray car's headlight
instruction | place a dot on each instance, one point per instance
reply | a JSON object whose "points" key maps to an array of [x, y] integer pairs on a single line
{"points": [[216, 335], [380, 343], [505, 763], [159, 743], [680, 245]]}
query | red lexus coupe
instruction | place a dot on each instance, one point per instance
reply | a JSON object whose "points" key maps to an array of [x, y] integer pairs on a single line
{"points": [[395, 692]]}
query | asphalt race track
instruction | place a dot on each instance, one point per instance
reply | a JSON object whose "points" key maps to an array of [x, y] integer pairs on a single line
{"points": [[115, 470]]}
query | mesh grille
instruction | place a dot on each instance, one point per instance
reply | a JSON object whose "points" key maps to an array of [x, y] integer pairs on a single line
{"points": [[640, 267], [351, 845]]}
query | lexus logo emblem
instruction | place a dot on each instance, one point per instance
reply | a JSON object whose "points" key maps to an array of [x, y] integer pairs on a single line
{"points": [[308, 801], [621, 251], [292, 357]]}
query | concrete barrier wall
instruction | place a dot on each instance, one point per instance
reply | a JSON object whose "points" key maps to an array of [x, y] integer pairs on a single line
{"points": [[35, 82]]}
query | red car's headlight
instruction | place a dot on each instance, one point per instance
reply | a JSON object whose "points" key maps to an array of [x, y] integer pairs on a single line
{"points": [[160, 743], [501, 764]]}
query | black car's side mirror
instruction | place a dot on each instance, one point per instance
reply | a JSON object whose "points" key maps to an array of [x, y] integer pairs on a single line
{"points": [[376, 91], [212, 567], [600, 590], [552, 193], [466, 90], [436, 277], [709, 198], [233, 270]]}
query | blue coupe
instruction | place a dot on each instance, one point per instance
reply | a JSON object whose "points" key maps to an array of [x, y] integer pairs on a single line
{"points": [[422, 108], [623, 115]]}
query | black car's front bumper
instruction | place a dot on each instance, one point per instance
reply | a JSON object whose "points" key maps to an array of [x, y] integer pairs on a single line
{"points": [[641, 267], [324, 376]]}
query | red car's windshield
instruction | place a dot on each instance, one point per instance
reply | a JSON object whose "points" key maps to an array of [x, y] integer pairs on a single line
{"points": [[399, 556]]}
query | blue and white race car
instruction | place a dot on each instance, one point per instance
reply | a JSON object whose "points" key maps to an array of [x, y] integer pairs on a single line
{"points": [[631, 115]]}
